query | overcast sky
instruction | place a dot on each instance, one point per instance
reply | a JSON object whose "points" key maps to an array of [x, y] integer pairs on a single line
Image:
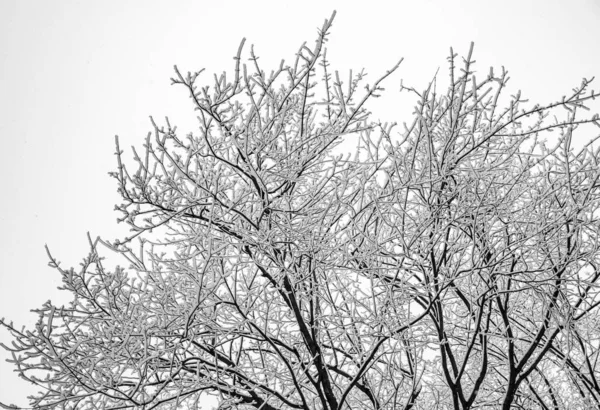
{"points": [[75, 73]]}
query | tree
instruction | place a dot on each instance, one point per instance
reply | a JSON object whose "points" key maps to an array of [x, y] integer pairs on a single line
{"points": [[450, 265], [506, 229]]}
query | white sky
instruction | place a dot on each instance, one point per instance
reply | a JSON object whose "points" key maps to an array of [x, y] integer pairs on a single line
{"points": [[74, 73]]}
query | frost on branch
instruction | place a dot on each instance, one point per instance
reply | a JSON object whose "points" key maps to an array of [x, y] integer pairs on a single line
{"points": [[449, 264]]}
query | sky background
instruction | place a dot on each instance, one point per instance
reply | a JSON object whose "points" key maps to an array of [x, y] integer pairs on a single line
{"points": [[75, 73]]}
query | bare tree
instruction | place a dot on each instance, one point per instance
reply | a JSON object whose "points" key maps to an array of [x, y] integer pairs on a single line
{"points": [[502, 230], [449, 265]]}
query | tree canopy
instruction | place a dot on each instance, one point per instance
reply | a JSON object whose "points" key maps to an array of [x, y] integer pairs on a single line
{"points": [[451, 262]]}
